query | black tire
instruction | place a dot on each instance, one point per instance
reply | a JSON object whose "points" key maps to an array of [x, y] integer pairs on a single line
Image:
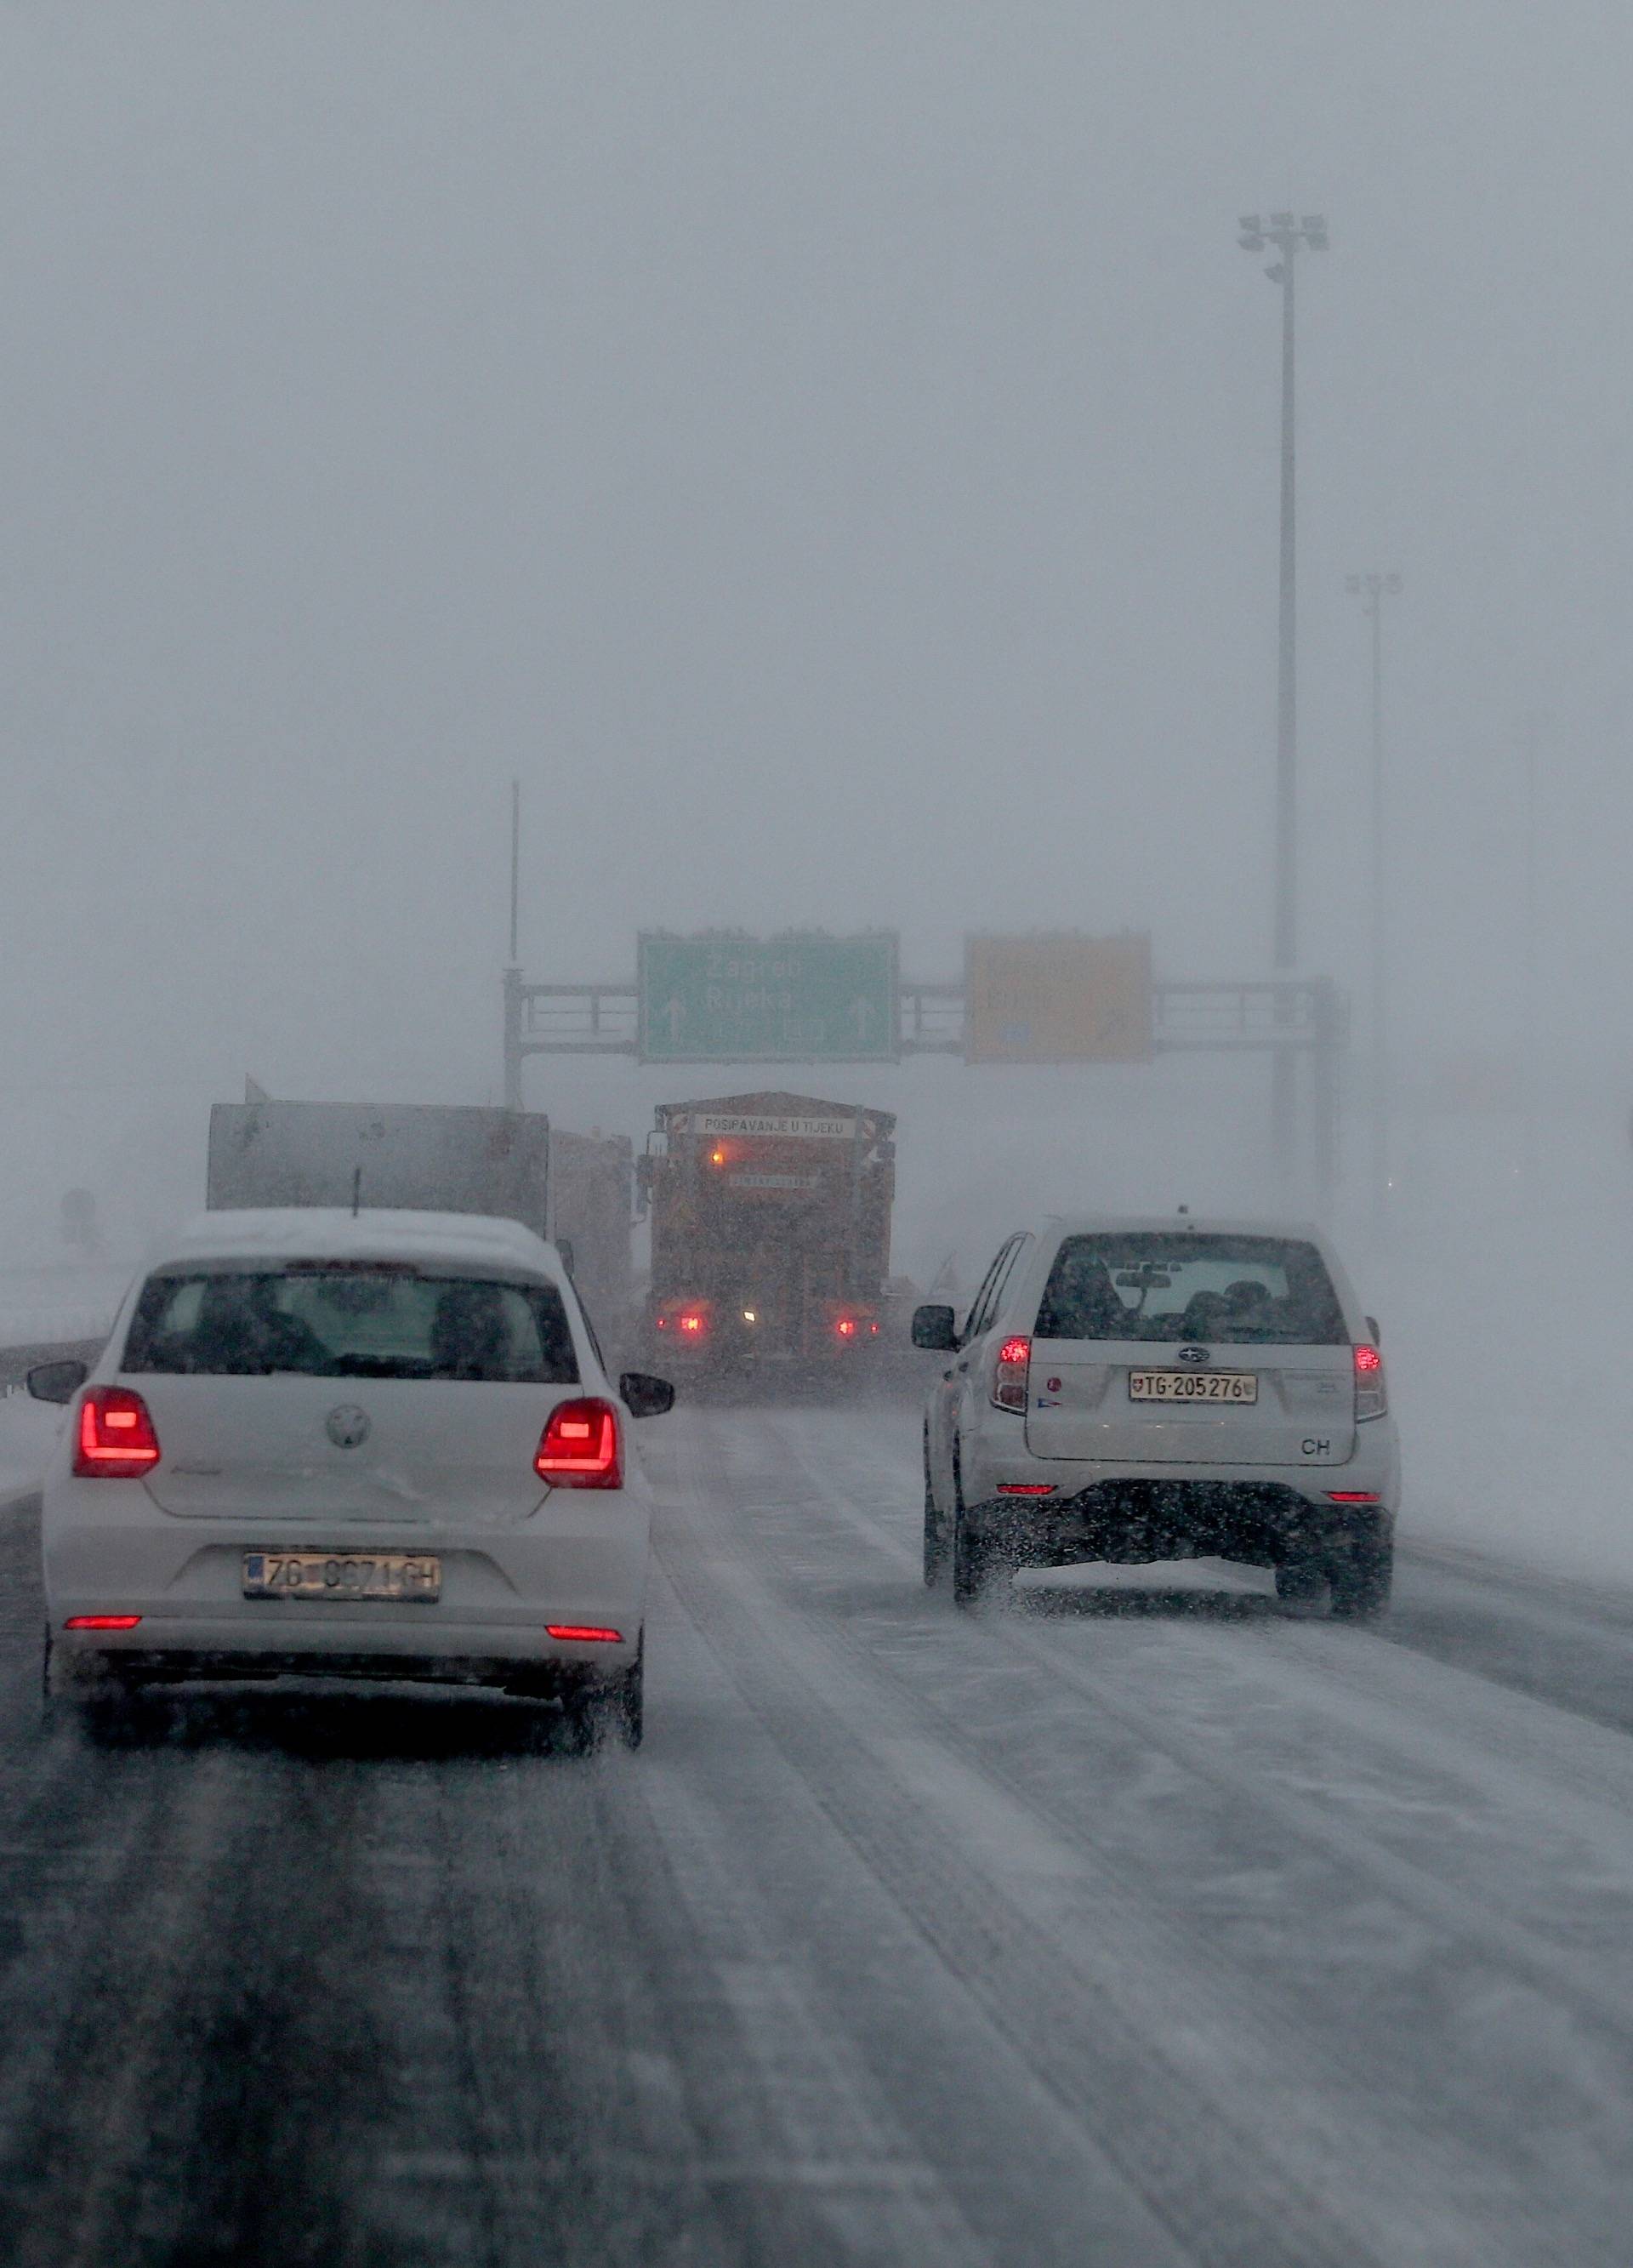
{"points": [[91, 1700], [1362, 1575], [612, 1713], [975, 1565], [934, 1534], [1300, 1582]]}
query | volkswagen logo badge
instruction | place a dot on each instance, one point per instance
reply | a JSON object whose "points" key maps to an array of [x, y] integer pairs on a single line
{"points": [[1193, 1354], [347, 1426]]}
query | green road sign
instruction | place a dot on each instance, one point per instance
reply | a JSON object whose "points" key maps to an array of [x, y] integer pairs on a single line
{"points": [[778, 999]]}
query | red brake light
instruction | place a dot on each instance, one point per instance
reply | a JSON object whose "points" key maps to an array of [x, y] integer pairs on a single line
{"points": [[1353, 1496], [585, 1633], [579, 1447], [101, 1622], [1009, 1382], [1371, 1398], [1026, 1488], [846, 1327], [692, 1323], [116, 1437]]}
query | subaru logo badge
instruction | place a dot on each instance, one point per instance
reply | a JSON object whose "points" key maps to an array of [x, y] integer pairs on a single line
{"points": [[347, 1427], [1193, 1354]]}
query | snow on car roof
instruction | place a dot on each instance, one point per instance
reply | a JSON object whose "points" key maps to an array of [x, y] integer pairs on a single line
{"points": [[333, 1233], [1109, 1223]]}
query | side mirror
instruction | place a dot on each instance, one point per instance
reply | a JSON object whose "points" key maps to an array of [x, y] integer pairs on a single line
{"points": [[1376, 1335], [57, 1382], [934, 1328], [645, 1395]]}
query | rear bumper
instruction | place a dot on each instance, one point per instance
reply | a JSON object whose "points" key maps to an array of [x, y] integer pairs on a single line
{"points": [[1139, 1519], [580, 1560], [302, 1647]]}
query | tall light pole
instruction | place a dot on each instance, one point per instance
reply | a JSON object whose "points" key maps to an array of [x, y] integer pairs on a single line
{"points": [[1372, 589], [1289, 234]]}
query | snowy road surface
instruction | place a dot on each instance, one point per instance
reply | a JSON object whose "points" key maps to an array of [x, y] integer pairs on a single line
{"points": [[1137, 1929]]}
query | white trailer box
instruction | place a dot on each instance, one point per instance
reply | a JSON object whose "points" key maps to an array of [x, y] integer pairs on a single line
{"points": [[429, 1157]]}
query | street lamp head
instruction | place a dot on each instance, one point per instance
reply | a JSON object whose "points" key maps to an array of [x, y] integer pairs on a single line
{"points": [[1313, 224], [1281, 220], [1277, 271], [1392, 584], [1250, 243], [1250, 224], [1317, 240]]}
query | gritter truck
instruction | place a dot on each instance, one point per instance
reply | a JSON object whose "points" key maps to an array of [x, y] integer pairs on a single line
{"points": [[771, 1227]]}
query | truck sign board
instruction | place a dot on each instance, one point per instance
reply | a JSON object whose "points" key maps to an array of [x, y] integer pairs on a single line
{"points": [[1056, 999], [780, 999]]}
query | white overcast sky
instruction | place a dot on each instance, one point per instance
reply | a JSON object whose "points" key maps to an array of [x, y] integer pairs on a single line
{"points": [[829, 452]]}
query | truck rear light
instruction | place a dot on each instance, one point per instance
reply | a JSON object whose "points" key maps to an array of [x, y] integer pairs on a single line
{"points": [[1371, 1398], [116, 1438], [101, 1622], [1009, 1380], [579, 1446]]}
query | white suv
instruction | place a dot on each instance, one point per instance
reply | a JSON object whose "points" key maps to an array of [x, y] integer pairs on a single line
{"points": [[1148, 1389]]}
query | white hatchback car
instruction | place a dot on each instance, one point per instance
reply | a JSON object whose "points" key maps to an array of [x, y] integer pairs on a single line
{"points": [[378, 1445], [1149, 1389]]}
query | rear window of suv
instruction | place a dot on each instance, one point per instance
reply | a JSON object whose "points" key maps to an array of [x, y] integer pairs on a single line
{"points": [[1231, 1291], [350, 1322]]}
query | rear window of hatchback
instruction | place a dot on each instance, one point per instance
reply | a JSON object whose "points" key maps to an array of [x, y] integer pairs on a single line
{"points": [[317, 1319], [1180, 1286]]}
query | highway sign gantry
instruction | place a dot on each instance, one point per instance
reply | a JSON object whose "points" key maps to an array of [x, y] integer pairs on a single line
{"points": [[797, 998]]}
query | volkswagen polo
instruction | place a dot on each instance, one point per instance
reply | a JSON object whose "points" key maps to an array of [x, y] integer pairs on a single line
{"points": [[373, 1446]]}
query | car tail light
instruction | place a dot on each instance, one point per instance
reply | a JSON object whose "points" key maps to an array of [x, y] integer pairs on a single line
{"points": [[1353, 1496], [580, 1449], [846, 1327], [1009, 1380], [1372, 1400], [116, 1438], [101, 1622], [691, 1324], [1027, 1488], [584, 1634]]}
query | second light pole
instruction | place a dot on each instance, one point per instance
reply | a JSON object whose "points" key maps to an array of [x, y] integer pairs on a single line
{"points": [[1289, 234], [1372, 589]]}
